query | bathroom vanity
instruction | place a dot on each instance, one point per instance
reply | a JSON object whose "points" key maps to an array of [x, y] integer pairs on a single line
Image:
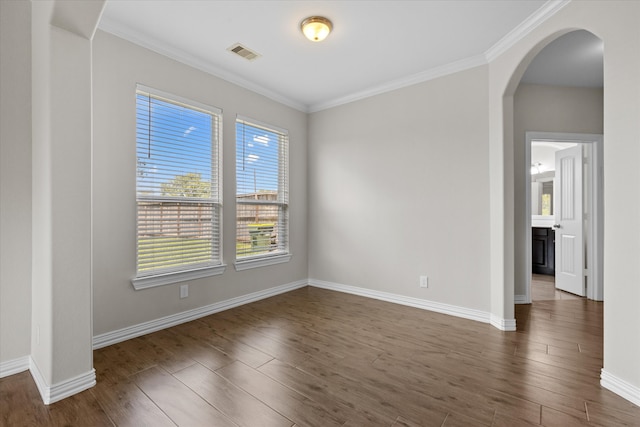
{"points": [[543, 250]]}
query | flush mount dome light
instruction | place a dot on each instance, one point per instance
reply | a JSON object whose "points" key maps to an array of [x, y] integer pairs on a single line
{"points": [[316, 28]]}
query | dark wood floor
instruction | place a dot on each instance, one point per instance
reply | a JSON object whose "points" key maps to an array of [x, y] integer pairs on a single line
{"points": [[543, 288], [313, 357]]}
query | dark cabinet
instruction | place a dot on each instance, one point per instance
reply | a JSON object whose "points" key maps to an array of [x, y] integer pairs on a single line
{"points": [[543, 250]]}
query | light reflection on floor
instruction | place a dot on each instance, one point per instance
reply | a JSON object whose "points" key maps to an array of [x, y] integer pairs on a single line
{"points": [[543, 288]]}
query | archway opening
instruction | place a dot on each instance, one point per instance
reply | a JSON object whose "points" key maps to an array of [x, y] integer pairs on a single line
{"points": [[556, 88]]}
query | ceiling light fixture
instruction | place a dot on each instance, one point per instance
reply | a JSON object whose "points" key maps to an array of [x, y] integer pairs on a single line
{"points": [[316, 28], [536, 168]]}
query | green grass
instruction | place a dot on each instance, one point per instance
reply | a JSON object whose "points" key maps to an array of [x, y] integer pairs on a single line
{"points": [[244, 249], [166, 252]]}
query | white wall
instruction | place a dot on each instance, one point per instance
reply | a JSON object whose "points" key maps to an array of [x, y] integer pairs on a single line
{"points": [[399, 188], [118, 65], [61, 199], [621, 35], [546, 109], [615, 22], [446, 209], [15, 179]]}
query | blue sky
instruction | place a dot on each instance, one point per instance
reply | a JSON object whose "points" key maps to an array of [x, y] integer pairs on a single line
{"points": [[256, 159], [179, 142]]}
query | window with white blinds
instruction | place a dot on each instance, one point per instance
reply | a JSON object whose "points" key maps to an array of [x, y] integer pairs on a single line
{"points": [[262, 191], [178, 189]]}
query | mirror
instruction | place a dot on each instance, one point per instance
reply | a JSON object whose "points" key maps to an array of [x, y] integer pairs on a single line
{"points": [[543, 165], [542, 194]]}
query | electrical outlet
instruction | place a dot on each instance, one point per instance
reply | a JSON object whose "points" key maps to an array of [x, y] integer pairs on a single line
{"points": [[184, 291], [424, 282]]}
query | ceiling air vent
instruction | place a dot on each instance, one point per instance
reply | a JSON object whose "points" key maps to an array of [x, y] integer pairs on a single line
{"points": [[243, 51]]}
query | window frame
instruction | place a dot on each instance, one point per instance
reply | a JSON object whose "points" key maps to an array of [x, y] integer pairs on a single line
{"points": [[215, 265], [283, 253]]}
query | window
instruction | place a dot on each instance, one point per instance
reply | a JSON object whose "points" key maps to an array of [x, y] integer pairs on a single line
{"points": [[262, 194], [177, 189]]}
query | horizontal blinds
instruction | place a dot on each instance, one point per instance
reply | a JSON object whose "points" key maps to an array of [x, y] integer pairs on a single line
{"points": [[262, 193], [177, 186]]}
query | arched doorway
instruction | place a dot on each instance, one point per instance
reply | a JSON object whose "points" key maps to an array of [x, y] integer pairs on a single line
{"points": [[560, 95], [622, 130], [505, 77]]}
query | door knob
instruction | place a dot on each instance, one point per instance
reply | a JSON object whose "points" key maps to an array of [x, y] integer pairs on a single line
{"points": [[556, 226]]}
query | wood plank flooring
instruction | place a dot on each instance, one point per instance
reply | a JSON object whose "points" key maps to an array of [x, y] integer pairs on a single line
{"points": [[314, 357], [543, 288]]}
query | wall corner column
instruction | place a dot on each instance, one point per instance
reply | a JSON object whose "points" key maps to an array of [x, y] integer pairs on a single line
{"points": [[61, 345]]}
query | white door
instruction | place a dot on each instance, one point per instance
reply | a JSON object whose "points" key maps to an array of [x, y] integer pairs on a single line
{"points": [[568, 212]]}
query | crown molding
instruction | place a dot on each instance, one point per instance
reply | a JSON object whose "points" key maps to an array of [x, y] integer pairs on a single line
{"points": [[545, 12], [197, 63], [550, 8], [433, 73]]}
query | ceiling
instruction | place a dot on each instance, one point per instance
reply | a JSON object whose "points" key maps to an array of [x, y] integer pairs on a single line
{"points": [[575, 59], [376, 45], [543, 154]]}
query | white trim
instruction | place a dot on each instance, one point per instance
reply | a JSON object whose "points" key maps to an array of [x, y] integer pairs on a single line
{"points": [[196, 63], [134, 331], [171, 98], [14, 366], [596, 222], [175, 277], [43, 388], [246, 264], [507, 325], [545, 12], [620, 387], [522, 299], [531, 23], [64, 389], [541, 220], [431, 74], [246, 120], [451, 310]]}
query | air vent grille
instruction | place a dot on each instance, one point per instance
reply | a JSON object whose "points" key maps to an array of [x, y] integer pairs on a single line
{"points": [[243, 51]]}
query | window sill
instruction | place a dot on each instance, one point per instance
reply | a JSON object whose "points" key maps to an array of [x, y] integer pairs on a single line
{"points": [[175, 277], [246, 264]]}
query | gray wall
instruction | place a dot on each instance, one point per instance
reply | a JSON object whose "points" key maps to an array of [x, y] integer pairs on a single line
{"points": [[546, 109], [615, 22], [61, 330], [15, 179], [432, 167], [399, 188], [117, 66]]}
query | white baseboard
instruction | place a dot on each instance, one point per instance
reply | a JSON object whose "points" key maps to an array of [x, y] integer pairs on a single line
{"points": [[521, 299], [140, 329], [452, 310], [507, 325], [64, 389], [620, 387], [14, 366], [59, 391]]}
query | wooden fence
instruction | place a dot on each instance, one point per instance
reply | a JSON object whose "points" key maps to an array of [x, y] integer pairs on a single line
{"points": [[194, 220]]}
